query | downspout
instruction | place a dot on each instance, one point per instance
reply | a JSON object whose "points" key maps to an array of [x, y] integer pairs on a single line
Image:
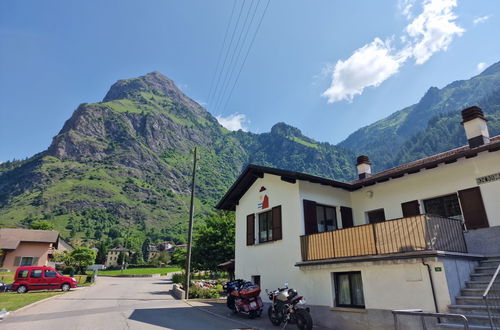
{"points": [[432, 285]]}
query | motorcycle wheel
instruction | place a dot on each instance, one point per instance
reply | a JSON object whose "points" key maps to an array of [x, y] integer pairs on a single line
{"points": [[273, 316], [303, 319], [231, 304]]}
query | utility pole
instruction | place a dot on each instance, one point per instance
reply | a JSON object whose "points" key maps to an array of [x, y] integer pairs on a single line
{"points": [[190, 231]]}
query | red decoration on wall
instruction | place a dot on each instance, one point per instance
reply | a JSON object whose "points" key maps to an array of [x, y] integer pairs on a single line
{"points": [[265, 202]]}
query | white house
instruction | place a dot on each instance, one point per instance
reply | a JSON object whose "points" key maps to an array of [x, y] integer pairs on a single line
{"points": [[405, 238]]}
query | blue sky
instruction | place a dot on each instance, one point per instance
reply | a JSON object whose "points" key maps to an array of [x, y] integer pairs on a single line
{"points": [[326, 67]]}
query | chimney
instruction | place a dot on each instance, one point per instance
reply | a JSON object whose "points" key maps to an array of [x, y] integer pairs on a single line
{"points": [[475, 126], [364, 167]]}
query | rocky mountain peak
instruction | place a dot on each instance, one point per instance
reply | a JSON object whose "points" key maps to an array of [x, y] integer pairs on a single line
{"points": [[285, 130], [154, 83]]}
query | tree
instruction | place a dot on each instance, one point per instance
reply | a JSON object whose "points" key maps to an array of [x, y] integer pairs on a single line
{"points": [[145, 248], [64, 257], [122, 258], [83, 257], [179, 257], [214, 241], [102, 253], [41, 225]]}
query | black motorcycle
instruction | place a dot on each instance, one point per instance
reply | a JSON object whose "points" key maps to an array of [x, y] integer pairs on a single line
{"points": [[287, 308], [243, 297]]}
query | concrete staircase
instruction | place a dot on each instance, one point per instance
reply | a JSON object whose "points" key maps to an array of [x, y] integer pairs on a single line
{"points": [[470, 303]]}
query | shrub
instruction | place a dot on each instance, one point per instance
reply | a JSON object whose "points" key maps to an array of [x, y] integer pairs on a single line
{"points": [[178, 278], [68, 270], [197, 292]]}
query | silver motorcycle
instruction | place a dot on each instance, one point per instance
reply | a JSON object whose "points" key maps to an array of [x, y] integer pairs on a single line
{"points": [[288, 307]]}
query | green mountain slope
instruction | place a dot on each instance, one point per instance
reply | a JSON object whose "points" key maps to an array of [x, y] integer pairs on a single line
{"points": [[383, 140], [126, 162]]}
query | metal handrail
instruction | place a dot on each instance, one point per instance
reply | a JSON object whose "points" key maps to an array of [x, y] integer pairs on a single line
{"points": [[416, 312], [485, 296]]}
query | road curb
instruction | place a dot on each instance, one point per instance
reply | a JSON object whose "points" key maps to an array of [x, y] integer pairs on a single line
{"points": [[49, 298], [35, 303]]}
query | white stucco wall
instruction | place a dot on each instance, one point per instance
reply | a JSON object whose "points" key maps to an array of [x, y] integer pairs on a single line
{"points": [[394, 284], [323, 195], [273, 261], [443, 180]]}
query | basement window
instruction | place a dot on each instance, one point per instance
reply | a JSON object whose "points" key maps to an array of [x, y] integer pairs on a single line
{"points": [[349, 290]]}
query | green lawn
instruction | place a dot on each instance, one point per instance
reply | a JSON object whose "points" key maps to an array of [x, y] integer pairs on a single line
{"points": [[139, 271], [12, 301]]}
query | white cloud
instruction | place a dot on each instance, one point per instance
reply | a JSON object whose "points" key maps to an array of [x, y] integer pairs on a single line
{"points": [[370, 65], [431, 31], [234, 122], [406, 6], [481, 66], [481, 19]]}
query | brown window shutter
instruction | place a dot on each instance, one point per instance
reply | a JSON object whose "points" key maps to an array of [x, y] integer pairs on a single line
{"points": [[410, 209], [310, 222], [17, 261], [277, 234], [251, 229], [346, 214], [473, 208]]}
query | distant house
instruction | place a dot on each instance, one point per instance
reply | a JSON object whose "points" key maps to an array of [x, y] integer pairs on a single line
{"points": [[28, 247], [155, 249], [405, 238], [112, 256]]}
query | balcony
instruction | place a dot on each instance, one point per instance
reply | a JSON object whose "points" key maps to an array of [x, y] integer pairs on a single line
{"points": [[418, 233]]}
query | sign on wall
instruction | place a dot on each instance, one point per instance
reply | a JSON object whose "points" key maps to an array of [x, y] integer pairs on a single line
{"points": [[488, 178]]}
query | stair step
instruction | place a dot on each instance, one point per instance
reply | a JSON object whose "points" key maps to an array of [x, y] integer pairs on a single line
{"points": [[486, 269], [480, 284], [478, 292], [461, 326], [483, 277], [469, 300], [473, 320], [490, 262], [469, 309]]}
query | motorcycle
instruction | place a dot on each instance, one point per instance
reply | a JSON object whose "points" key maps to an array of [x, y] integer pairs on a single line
{"points": [[287, 307], [243, 297]]}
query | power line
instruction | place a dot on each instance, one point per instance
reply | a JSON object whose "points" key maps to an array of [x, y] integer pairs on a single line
{"points": [[246, 55], [221, 50], [230, 69], [230, 44]]}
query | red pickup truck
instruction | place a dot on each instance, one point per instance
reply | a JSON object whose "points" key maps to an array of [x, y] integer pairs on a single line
{"points": [[41, 278]]}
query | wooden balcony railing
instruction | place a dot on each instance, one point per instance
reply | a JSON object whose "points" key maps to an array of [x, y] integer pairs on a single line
{"points": [[418, 233]]}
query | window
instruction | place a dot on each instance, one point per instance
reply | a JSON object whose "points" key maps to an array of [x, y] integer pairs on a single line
{"points": [[269, 226], [349, 290], [256, 279], [326, 218], [26, 261], [36, 273], [319, 218], [23, 273], [49, 273], [375, 216], [265, 227], [445, 206]]}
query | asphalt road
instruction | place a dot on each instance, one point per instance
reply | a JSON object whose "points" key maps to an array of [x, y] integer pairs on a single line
{"points": [[123, 303]]}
